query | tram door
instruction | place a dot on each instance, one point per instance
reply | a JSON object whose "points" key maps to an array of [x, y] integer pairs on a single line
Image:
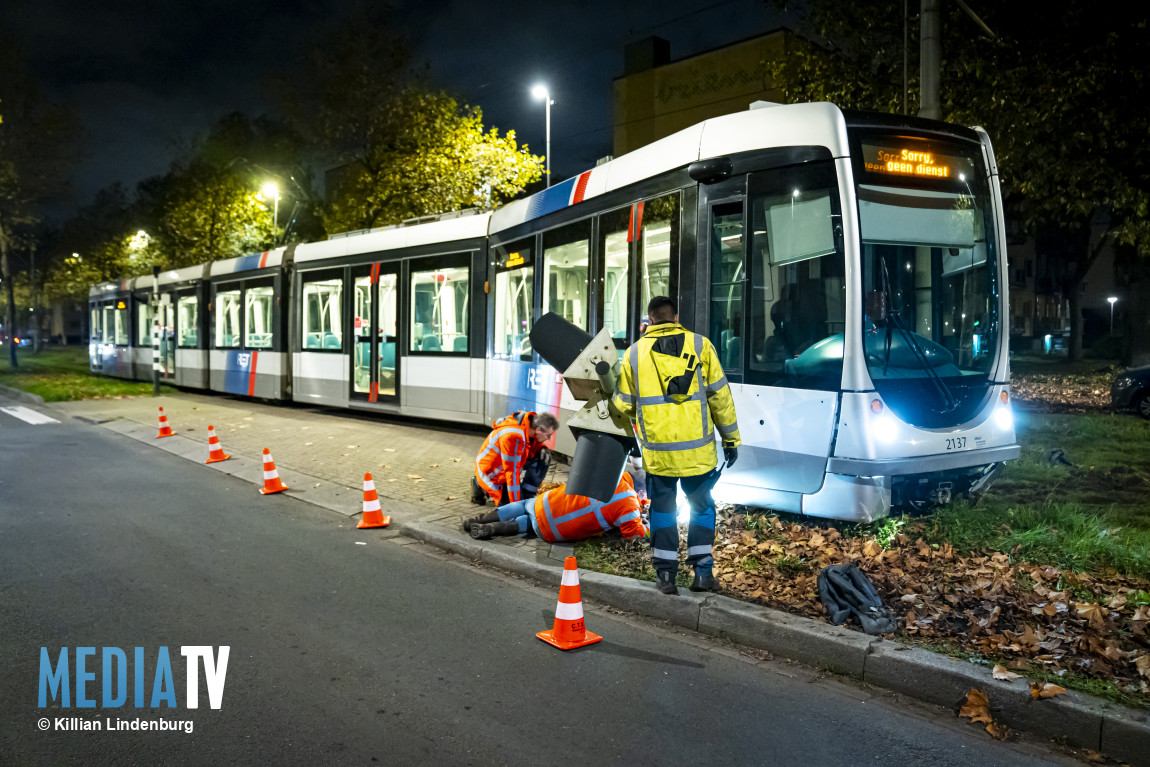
{"points": [[167, 336], [374, 361]]}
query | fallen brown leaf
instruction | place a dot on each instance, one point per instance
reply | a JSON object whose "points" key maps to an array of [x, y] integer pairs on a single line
{"points": [[1048, 690], [976, 708], [389, 450], [449, 498], [1000, 672], [414, 476], [872, 549], [435, 465], [1142, 663]]}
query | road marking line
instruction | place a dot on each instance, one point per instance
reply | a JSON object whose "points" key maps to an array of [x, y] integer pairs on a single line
{"points": [[28, 414]]}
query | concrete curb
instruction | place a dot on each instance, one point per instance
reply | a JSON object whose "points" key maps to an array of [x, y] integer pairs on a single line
{"points": [[21, 395], [1077, 719]]}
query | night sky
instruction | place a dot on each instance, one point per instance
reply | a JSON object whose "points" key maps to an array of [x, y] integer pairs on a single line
{"points": [[142, 76]]}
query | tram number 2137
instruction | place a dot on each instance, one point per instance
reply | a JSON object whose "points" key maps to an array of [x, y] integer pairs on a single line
{"points": [[956, 443]]}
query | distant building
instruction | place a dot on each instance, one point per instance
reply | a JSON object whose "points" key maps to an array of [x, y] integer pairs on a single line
{"points": [[656, 97]]}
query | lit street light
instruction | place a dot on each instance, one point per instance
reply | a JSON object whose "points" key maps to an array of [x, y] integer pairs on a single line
{"points": [[540, 92], [1113, 300], [273, 191]]}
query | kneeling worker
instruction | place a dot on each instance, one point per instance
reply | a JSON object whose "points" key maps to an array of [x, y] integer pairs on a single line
{"points": [[500, 462], [556, 516]]}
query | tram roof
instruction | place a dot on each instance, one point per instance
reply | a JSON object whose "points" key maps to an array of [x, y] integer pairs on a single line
{"points": [[392, 238], [248, 262], [814, 124], [172, 276]]}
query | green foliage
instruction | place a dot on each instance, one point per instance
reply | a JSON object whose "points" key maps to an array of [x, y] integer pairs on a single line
{"points": [[61, 375]]}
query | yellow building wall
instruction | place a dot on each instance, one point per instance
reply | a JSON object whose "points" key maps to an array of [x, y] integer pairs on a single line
{"points": [[658, 102]]}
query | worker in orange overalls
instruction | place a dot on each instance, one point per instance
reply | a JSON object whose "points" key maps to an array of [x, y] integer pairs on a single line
{"points": [[499, 464], [555, 516]]}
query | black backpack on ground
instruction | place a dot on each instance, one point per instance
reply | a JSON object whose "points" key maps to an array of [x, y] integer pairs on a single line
{"points": [[845, 591]]}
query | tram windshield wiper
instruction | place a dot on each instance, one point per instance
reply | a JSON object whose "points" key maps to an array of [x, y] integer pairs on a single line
{"points": [[949, 403]]}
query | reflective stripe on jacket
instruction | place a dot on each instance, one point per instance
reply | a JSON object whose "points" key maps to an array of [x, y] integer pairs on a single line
{"points": [[671, 384], [562, 517], [499, 463]]}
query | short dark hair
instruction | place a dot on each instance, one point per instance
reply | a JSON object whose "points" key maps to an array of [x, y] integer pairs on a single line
{"points": [[662, 308], [545, 421]]}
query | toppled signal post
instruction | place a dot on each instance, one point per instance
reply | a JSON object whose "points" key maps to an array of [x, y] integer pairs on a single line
{"points": [[590, 368]]}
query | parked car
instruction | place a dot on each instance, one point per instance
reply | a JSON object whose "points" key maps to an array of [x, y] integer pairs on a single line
{"points": [[1131, 391]]}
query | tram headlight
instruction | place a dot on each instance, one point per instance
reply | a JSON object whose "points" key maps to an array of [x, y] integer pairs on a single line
{"points": [[885, 428], [1003, 417]]}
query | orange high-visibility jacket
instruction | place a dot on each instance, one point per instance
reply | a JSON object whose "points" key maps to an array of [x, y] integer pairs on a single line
{"points": [[499, 463], [562, 517]]}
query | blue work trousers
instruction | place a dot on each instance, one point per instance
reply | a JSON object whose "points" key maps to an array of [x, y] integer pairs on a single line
{"points": [[519, 512], [664, 529]]}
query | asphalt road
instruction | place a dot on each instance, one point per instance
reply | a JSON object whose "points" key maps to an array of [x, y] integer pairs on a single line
{"points": [[371, 654]]}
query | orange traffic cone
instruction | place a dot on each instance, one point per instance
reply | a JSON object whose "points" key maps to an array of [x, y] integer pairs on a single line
{"points": [[569, 631], [272, 482], [215, 452], [372, 514], [165, 430]]}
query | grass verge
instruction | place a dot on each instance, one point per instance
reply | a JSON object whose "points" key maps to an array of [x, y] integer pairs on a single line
{"points": [[60, 374]]}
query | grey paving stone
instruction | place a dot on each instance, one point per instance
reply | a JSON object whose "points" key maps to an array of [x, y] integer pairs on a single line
{"points": [[1126, 736]]}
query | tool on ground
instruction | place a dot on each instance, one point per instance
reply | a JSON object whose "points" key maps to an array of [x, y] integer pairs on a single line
{"points": [[845, 591], [165, 430], [590, 368], [272, 482], [215, 451], [568, 631], [372, 513]]}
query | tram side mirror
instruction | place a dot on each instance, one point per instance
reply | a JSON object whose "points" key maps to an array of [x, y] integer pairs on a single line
{"points": [[590, 368], [876, 306]]}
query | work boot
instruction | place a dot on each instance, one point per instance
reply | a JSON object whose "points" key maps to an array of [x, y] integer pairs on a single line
{"points": [[487, 516], [478, 497], [665, 582], [484, 531], [704, 581]]}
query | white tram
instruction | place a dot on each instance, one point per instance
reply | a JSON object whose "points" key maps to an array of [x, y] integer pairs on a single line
{"points": [[849, 268]]}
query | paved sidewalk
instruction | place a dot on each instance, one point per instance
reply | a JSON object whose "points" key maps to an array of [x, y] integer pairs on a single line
{"points": [[425, 465]]}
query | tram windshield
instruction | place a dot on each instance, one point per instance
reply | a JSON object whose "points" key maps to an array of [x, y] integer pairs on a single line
{"points": [[929, 276]]}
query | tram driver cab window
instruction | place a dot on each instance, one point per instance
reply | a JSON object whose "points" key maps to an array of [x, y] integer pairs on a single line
{"points": [[798, 279]]}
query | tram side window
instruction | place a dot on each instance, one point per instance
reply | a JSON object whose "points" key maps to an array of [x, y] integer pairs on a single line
{"points": [[96, 326], [187, 320], [658, 248], [440, 308], [615, 290], [143, 322], [513, 300], [728, 272], [566, 256], [108, 325], [258, 330], [322, 314], [228, 319], [798, 279]]}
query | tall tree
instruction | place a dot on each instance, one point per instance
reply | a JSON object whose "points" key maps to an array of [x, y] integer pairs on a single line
{"points": [[400, 149], [1061, 90], [36, 138]]}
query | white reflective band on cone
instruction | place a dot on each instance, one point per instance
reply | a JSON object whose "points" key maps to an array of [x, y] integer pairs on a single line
{"points": [[371, 506], [270, 475], [570, 578], [566, 612], [369, 485]]}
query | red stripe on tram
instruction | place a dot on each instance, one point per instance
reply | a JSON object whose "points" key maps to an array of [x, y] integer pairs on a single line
{"points": [[264, 259], [252, 375], [581, 187]]}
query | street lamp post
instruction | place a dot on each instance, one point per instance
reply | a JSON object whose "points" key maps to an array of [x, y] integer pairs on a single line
{"points": [[1113, 300], [540, 92], [273, 191]]}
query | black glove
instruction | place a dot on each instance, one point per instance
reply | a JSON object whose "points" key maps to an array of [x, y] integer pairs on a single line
{"points": [[731, 454]]}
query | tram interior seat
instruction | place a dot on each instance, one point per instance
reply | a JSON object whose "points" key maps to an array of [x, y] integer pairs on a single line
{"points": [[313, 341], [259, 341], [733, 356], [387, 355], [431, 344], [191, 338], [459, 344], [331, 341]]}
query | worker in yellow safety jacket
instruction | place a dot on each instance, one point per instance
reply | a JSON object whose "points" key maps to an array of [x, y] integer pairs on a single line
{"points": [[672, 386]]}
